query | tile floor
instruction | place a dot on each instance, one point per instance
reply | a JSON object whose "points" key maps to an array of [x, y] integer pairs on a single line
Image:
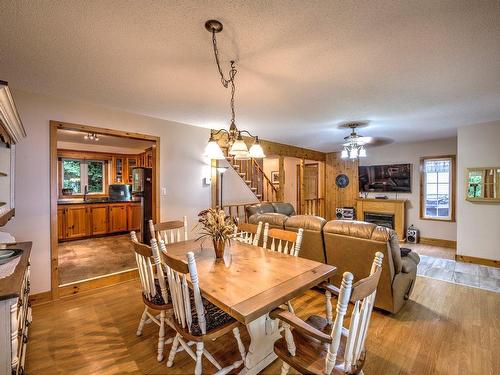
{"points": [[469, 274]]}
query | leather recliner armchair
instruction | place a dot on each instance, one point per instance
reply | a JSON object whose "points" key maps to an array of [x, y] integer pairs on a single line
{"points": [[351, 245]]}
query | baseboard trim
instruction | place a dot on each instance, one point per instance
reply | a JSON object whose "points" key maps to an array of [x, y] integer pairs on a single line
{"points": [[482, 261], [438, 242], [40, 298], [97, 282]]}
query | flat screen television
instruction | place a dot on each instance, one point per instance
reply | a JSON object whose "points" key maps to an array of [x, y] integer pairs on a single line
{"points": [[394, 178]]}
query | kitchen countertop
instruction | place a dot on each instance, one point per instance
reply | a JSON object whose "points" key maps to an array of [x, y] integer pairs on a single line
{"points": [[94, 201]]}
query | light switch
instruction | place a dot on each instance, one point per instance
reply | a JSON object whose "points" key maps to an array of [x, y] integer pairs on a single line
{"points": [[163, 191]]}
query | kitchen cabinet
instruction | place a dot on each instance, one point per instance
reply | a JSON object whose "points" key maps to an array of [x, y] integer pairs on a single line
{"points": [[132, 162], [117, 218], [99, 219], [61, 230], [134, 217], [77, 222], [117, 168]]}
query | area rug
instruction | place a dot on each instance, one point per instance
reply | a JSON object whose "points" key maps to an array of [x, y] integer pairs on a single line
{"points": [[473, 275]]}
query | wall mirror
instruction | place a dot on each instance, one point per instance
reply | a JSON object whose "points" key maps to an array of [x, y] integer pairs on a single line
{"points": [[483, 184]]}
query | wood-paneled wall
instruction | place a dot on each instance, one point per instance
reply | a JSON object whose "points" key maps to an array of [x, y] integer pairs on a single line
{"points": [[335, 196]]}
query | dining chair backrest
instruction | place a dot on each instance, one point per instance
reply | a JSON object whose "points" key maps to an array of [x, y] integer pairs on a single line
{"points": [[282, 241], [150, 269], [177, 272], [362, 294], [248, 233], [169, 231]]}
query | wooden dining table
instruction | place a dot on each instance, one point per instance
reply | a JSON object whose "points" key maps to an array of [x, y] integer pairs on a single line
{"points": [[248, 283]]}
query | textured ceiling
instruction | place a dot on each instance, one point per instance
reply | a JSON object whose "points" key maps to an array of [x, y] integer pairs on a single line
{"points": [[416, 69]]}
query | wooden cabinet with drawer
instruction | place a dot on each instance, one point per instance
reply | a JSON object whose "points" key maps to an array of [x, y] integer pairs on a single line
{"points": [[117, 218], [15, 314]]}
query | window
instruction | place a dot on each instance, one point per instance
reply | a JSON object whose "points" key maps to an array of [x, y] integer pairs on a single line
{"points": [[437, 188], [76, 174]]}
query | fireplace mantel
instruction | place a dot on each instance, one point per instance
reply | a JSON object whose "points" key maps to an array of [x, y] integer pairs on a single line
{"points": [[395, 207]]}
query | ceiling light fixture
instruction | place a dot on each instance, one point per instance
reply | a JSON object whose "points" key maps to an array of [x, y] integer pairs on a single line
{"points": [[237, 146], [354, 147], [91, 136]]}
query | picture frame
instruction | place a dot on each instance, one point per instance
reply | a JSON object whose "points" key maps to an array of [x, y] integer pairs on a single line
{"points": [[275, 177]]}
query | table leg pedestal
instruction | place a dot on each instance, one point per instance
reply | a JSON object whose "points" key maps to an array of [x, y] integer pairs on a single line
{"points": [[263, 333]]}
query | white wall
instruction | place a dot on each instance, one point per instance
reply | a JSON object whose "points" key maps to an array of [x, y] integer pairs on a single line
{"points": [[182, 168], [411, 153], [478, 223], [235, 191]]}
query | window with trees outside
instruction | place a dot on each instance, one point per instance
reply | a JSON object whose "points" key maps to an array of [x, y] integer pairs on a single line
{"points": [[437, 192], [76, 174]]}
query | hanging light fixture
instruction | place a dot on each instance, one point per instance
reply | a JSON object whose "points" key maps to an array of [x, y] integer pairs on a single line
{"points": [[354, 147], [237, 146]]}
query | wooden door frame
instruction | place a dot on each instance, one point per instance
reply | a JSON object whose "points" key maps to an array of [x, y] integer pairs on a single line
{"points": [[55, 290], [301, 182]]}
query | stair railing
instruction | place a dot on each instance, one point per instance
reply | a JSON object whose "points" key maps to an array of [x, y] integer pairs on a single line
{"points": [[315, 206]]}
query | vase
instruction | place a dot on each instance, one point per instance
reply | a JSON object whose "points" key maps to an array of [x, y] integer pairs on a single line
{"points": [[219, 246]]}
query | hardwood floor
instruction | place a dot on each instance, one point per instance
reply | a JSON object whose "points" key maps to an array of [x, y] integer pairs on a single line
{"points": [[444, 329], [430, 250], [93, 257]]}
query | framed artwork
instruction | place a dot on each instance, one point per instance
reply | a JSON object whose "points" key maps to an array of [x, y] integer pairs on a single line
{"points": [[275, 177]]}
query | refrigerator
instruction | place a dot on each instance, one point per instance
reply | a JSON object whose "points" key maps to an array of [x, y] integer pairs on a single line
{"points": [[142, 187]]}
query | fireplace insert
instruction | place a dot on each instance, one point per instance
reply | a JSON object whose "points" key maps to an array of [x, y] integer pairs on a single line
{"points": [[385, 220]]}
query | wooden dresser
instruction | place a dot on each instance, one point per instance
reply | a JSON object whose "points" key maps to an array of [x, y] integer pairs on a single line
{"points": [[15, 314]]}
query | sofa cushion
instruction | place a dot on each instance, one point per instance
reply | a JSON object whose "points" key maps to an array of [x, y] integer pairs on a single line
{"points": [[260, 208], [414, 256], [275, 220], [358, 229], [284, 208], [308, 222]]}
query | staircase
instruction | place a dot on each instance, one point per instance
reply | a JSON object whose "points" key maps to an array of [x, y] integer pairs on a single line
{"points": [[252, 174]]}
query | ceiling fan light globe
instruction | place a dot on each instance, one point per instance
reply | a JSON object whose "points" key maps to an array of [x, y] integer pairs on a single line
{"points": [[344, 154], [353, 153], [362, 152]]}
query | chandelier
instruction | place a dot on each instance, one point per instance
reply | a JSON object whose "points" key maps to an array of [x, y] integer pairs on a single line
{"points": [[355, 144], [237, 146]]}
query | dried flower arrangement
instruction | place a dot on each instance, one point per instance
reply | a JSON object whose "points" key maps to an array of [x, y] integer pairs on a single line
{"points": [[218, 226]]}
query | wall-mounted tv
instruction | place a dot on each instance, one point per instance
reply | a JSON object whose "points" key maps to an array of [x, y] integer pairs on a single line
{"points": [[385, 178]]}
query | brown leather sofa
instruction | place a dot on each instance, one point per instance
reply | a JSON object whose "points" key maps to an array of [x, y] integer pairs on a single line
{"points": [[282, 208], [351, 246], [312, 239]]}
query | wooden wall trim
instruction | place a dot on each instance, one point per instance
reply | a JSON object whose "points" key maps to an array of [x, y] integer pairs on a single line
{"points": [[438, 242], [276, 149], [95, 129], [40, 298], [481, 261]]}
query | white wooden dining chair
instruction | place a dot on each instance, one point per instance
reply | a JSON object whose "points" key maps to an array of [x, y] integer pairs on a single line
{"points": [[155, 294], [248, 233], [282, 241], [169, 231], [322, 345], [195, 318]]}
